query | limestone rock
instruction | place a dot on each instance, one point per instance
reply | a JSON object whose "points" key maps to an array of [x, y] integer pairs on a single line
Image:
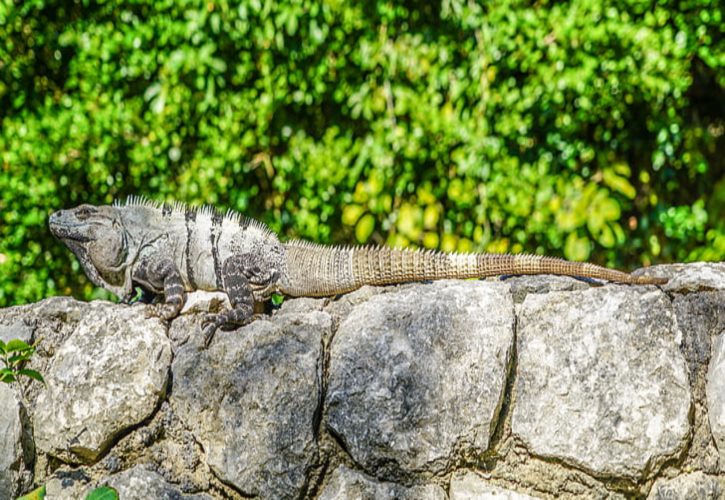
{"points": [[715, 390], [467, 485], [416, 376], [301, 305], [17, 329], [351, 485], [139, 483], [694, 486], [700, 316], [253, 399], [521, 286], [600, 381], [65, 483], [689, 277], [108, 375], [12, 457]]}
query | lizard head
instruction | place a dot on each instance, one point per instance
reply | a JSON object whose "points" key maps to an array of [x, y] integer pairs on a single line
{"points": [[97, 237]]}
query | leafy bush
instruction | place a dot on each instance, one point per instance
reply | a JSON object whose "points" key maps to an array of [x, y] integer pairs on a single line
{"points": [[13, 355], [587, 129]]}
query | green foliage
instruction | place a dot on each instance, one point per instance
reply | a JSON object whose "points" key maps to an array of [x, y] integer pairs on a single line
{"points": [[103, 493], [13, 355], [585, 129], [36, 494]]}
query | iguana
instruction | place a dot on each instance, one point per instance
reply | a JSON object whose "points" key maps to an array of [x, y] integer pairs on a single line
{"points": [[171, 248]]}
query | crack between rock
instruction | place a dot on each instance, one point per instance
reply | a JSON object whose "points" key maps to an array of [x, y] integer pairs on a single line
{"points": [[211, 471], [314, 480], [324, 370], [316, 473], [491, 455], [678, 460], [621, 485]]}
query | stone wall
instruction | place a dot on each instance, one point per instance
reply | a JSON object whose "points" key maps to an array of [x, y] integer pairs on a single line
{"points": [[531, 387]]}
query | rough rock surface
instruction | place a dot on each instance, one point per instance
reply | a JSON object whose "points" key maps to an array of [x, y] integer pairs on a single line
{"points": [[700, 316], [695, 486], [685, 278], [417, 376], [109, 375], [715, 391], [18, 329], [12, 458], [253, 401], [467, 485], [349, 484], [600, 381], [139, 483], [521, 286], [408, 391]]}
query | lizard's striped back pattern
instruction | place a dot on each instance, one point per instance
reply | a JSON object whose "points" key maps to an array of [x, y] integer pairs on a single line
{"points": [[319, 270]]}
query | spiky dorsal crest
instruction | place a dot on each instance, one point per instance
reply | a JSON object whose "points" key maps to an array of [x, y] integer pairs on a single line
{"points": [[359, 248], [137, 201], [201, 210]]}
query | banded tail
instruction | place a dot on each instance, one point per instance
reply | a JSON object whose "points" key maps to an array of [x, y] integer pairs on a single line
{"points": [[319, 271]]}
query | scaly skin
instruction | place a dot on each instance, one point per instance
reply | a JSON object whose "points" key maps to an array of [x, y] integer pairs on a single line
{"points": [[318, 271], [168, 249]]}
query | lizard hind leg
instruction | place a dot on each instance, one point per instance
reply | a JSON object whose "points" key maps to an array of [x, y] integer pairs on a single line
{"points": [[241, 275]]}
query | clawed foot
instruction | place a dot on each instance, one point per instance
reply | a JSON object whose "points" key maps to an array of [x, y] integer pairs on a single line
{"points": [[164, 311], [209, 326], [212, 322]]}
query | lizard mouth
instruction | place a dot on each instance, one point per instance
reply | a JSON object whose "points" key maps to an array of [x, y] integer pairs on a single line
{"points": [[64, 230], [67, 233]]}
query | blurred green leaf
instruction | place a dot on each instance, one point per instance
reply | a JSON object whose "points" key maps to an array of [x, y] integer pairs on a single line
{"points": [[7, 375], [502, 125], [36, 494], [32, 374], [17, 345], [364, 228], [576, 248], [103, 493]]}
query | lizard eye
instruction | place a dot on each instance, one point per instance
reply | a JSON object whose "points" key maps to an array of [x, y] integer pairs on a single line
{"points": [[84, 212]]}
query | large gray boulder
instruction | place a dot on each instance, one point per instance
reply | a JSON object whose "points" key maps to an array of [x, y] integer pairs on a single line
{"points": [[253, 401], [348, 484], [108, 375], [600, 382], [13, 458], [416, 376], [16, 449]]}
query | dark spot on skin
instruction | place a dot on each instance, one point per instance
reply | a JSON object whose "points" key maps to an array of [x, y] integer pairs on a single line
{"points": [[190, 220], [216, 228]]}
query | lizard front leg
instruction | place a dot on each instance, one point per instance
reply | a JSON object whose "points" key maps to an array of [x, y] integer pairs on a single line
{"points": [[242, 276], [163, 274]]}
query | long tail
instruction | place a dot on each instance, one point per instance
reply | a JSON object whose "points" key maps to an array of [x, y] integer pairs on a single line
{"points": [[319, 271]]}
